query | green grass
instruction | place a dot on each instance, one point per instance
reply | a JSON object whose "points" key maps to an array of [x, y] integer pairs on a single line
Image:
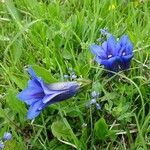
{"points": [[55, 35]]}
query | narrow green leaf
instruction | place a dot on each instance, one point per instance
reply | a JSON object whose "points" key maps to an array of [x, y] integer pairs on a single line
{"points": [[17, 106]]}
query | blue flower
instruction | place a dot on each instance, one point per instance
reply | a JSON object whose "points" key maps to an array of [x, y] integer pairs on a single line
{"points": [[104, 32], [93, 101], [113, 55], [94, 94], [125, 52], [106, 54], [98, 106], [1, 145], [39, 95], [73, 76], [7, 136]]}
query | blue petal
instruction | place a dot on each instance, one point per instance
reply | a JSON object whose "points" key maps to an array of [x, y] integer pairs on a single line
{"points": [[111, 46], [2, 145], [32, 93], [34, 84], [60, 86], [34, 110], [98, 51], [36, 79], [111, 64], [125, 62], [104, 46], [31, 72], [46, 88], [62, 95], [7, 136], [129, 48], [98, 60], [48, 98], [124, 46], [123, 40]]}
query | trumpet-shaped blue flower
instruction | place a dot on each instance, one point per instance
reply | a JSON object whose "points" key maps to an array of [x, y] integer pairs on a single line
{"points": [[113, 55], [39, 95]]}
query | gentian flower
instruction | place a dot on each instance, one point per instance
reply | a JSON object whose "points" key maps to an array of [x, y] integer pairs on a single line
{"points": [[7, 136], [39, 94], [113, 55], [125, 52], [106, 54]]}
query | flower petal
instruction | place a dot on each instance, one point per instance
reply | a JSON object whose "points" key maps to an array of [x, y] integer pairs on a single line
{"points": [[63, 96], [34, 84], [48, 98], [129, 48], [104, 46], [98, 51], [31, 72], [54, 98], [60, 86], [98, 60], [111, 46], [125, 45], [123, 40], [7, 136], [111, 64], [31, 94], [126, 61], [34, 110]]}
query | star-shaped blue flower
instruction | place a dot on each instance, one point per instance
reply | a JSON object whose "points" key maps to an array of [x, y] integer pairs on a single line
{"points": [[125, 52], [113, 55], [39, 94]]}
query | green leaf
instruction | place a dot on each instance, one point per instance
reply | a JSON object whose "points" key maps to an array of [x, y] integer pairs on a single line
{"points": [[96, 87], [66, 54], [5, 117], [13, 11], [10, 145], [125, 116], [16, 105], [60, 130], [20, 82], [45, 74], [101, 129]]}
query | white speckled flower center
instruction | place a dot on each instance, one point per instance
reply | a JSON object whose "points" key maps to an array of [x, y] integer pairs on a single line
{"points": [[124, 53], [109, 56]]}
